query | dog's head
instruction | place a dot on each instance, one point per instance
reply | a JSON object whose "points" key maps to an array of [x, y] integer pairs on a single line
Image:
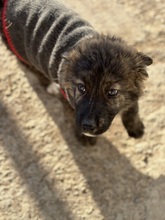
{"points": [[102, 76]]}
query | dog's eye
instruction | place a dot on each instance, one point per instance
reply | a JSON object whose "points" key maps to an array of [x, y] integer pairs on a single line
{"points": [[81, 88], [112, 92]]}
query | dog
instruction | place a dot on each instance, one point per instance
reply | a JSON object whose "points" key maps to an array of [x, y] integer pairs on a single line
{"points": [[100, 75]]}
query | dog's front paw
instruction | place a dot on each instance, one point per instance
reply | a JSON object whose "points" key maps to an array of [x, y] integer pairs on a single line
{"points": [[53, 88], [137, 130]]}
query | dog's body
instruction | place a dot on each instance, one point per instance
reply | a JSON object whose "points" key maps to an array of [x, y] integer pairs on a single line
{"points": [[100, 75], [43, 32]]}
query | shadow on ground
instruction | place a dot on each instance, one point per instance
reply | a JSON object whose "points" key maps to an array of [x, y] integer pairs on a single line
{"points": [[120, 191]]}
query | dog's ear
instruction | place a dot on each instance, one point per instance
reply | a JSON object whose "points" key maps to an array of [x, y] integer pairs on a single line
{"points": [[146, 59], [143, 61]]}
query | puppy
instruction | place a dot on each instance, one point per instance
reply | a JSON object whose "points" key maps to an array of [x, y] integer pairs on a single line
{"points": [[100, 75]]}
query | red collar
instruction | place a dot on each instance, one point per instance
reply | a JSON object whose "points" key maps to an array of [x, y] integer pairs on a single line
{"points": [[63, 93]]}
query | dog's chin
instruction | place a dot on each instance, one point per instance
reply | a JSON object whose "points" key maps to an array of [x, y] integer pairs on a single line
{"points": [[94, 133], [88, 134]]}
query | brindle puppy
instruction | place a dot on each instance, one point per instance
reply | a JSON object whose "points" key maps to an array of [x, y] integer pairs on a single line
{"points": [[100, 75], [103, 76]]}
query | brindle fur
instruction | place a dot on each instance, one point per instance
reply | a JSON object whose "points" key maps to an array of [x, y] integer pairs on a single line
{"points": [[102, 63]]}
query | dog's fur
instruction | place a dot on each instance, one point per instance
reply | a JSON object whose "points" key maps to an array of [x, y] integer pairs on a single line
{"points": [[103, 76], [104, 65]]}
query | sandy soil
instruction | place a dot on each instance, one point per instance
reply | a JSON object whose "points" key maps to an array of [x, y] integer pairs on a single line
{"points": [[46, 174]]}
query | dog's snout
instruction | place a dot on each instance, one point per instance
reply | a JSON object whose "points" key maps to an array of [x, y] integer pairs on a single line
{"points": [[89, 124], [88, 127]]}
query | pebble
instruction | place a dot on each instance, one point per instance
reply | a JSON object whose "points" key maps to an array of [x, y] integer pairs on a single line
{"points": [[141, 146]]}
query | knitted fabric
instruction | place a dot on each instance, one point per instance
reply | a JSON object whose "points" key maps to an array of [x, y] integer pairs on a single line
{"points": [[40, 31]]}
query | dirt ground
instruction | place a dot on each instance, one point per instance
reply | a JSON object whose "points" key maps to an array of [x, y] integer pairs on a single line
{"points": [[46, 174]]}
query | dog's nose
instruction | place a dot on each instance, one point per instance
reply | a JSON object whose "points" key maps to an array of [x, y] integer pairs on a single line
{"points": [[89, 124]]}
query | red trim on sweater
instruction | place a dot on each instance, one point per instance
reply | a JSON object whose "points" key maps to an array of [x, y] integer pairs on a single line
{"points": [[63, 93], [9, 40], [7, 35]]}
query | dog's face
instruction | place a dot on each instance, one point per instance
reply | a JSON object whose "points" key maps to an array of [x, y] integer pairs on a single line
{"points": [[101, 76]]}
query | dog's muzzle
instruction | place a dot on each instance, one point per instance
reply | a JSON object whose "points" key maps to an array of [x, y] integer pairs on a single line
{"points": [[89, 126]]}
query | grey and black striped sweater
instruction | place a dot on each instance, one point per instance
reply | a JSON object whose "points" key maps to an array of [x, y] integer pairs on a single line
{"points": [[40, 31]]}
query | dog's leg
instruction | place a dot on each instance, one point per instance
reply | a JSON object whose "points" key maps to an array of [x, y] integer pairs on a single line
{"points": [[132, 122]]}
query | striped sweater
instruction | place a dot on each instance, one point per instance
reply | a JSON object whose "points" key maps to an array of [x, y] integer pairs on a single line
{"points": [[40, 31]]}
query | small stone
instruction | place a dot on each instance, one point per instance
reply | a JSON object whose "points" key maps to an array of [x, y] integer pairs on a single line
{"points": [[140, 147], [90, 209]]}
